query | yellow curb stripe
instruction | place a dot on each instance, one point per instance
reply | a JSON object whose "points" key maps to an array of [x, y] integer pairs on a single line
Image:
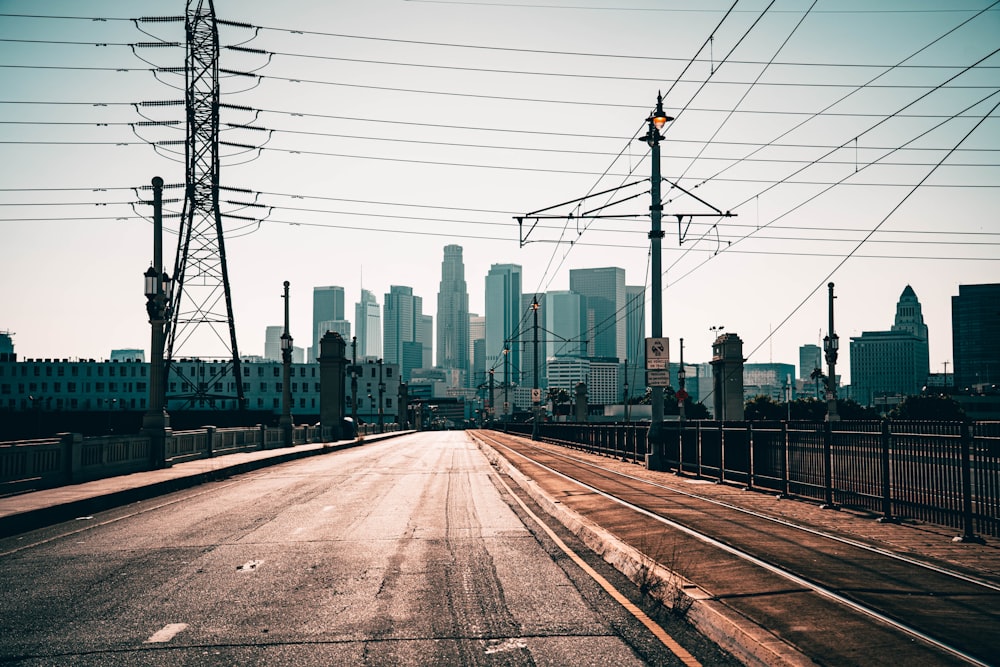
{"points": [[682, 654]]}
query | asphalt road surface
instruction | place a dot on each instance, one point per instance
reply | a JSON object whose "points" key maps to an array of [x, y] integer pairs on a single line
{"points": [[403, 552]]}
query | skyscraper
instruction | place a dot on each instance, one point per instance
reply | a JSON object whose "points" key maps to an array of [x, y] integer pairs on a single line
{"points": [[635, 325], [368, 326], [503, 320], [272, 342], [403, 315], [477, 349], [328, 304], [453, 314], [975, 330], [895, 362], [603, 290]]}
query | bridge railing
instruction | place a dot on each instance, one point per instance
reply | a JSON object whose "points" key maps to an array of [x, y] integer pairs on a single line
{"points": [[28, 465], [941, 472]]}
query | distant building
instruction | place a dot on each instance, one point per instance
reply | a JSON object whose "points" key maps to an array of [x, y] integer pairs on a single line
{"points": [[453, 343], [477, 349], [603, 292], [368, 326], [328, 304], [599, 375], [810, 358], [401, 326], [7, 346], [975, 330], [504, 321], [133, 354], [272, 342], [894, 362], [776, 381], [635, 322], [527, 340]]}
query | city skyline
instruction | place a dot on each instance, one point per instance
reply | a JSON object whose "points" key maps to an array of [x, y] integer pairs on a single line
{"points": [[836, 159]]}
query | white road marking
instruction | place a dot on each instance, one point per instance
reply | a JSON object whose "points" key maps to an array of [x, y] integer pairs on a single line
{"points": [[166, 633], [249, 566], [511, 644]]}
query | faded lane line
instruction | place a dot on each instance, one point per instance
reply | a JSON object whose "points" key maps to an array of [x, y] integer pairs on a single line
{"points": [[166, 633], [682, 653]]}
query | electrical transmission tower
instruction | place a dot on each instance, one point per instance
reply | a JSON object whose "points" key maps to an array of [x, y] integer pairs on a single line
{"points": [[202, 303]]}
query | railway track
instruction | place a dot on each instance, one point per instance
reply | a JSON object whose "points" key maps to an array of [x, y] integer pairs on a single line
{"points": [[836, 600]]}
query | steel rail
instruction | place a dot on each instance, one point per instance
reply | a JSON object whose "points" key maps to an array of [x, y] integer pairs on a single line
{"points": [[744, 555]]}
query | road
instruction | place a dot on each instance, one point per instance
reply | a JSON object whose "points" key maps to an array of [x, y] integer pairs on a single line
{"points": [[405, 552]]}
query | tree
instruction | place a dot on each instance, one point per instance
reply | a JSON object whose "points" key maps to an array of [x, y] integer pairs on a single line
{"points": [[558, 397], [932, 408], [763, 408], [851, 410]]}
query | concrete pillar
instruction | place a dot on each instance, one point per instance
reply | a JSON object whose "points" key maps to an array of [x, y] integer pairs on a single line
{"points": [[727, 374], [332, 373], [581, 402]]}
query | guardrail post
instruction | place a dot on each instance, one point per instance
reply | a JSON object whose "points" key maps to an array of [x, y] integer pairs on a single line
{"points": [[885, 442], [828, 503], [72, 446], [698, 448], [969, 534], [722, 452], [750, 469], [680, 447], [209, 441], [784, 461]]}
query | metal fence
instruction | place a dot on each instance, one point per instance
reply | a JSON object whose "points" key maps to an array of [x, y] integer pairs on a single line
{"points": [[941, 472]]}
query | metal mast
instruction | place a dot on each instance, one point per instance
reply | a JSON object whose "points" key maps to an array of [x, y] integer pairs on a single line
{"points": [[203, 308]]}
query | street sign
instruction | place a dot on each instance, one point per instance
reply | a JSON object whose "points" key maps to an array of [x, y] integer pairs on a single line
{"points": [[682, 395], [658, 378], [657, 353], [536, 395]]}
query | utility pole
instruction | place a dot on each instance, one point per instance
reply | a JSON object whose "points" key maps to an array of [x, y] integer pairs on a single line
{"points": [[506, 380], [535, 390], [381, 391], [681, 392], [156, 421], [354, 380], [655, 436], [831, 344], [286, 377]]}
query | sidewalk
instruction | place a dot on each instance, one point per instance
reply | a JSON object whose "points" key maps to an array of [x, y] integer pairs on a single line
{"points": [[36, 509]]}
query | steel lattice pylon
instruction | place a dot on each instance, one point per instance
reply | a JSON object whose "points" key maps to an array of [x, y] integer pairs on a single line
{"points": [[202, 303]]}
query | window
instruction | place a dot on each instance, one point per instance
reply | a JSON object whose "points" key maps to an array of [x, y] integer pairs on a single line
{"points": [[100, 371], [246, 371], [111, 371], [74, 371], [218, 386], [277, 386], [113, 387], [295, 387], [302, 371], [61, 371], [275, 403], [48, 371], [260, 371], [388, 371], [263, 387], [5, 389], [140, 387], [260, 402], [277, 371], [57, 387], [302, 402], [99, 387], [38, 371], [388, 402]]}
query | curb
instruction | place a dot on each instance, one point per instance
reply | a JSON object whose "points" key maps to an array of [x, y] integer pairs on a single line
{"points": [[748, 642]]}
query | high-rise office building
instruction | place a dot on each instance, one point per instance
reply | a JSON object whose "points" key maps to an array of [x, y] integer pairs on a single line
{"points": [[603, 291], [975, 331], [453, 344], [564, 323], [810, 358], [477, 349], [400, 325], [272, 342], [425, 336], [503, 320], [895, 362], [328, 304], [635, 324], [368, 325], [527, 339]]}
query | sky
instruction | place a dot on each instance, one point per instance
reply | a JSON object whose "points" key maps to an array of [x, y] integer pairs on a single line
{"points": [[854, 141]]}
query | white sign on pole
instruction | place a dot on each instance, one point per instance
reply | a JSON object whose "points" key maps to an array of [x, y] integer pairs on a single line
{"points": [[658, 378], [536, 395], [657, 353]]}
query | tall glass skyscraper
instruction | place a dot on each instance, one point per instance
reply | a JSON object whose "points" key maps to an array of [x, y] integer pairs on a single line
{"points": [[453, 314], [328, 304], [975, 330], [503, 320], [603, 292], [401, 337], [368, 325]]}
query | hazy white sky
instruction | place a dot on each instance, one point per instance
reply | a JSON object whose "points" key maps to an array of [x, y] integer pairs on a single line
{"points": [[397, 127]]}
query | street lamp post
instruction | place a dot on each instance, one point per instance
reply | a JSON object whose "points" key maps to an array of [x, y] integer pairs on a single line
{"points": [[656, 120], [682, 392], [286, 378], [158, 288], [831, 344], [381, 391], [354, 380]]}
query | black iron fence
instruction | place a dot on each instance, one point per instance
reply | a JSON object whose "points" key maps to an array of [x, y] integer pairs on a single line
{"points": [[941, 472]]}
